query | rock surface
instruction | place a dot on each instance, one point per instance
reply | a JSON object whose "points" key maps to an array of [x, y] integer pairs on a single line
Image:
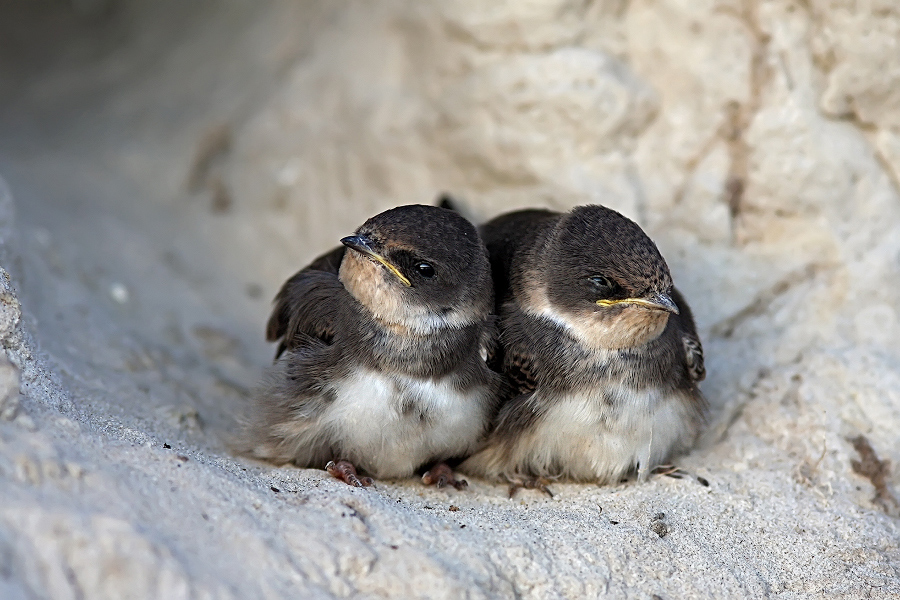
{"points": [[171, 163]]}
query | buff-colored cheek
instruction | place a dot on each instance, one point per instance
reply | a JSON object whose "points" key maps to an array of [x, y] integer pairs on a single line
{"points": [[366, 282], [637, 326], [601, 329], [633, 326]]}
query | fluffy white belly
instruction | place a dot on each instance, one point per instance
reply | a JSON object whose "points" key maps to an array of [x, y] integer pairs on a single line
{"points": [[585, 437], [389, 425]]}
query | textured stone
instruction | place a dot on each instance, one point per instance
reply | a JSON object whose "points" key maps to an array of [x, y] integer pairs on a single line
{"points": [[9, 389]]}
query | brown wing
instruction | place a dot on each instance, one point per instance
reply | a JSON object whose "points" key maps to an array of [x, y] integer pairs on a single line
{"points": [[693, 349], [519, 369], [694, 354], [308, 304]]}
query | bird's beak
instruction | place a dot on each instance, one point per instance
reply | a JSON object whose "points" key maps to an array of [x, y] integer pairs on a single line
{"points": [[363, 245], [653, 302]]}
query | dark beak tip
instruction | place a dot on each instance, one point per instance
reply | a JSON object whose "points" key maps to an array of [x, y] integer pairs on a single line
{"points": [[671, 306], [358, 242], [666, 303]]}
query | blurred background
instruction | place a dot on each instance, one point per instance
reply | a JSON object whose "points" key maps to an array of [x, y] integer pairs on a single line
{"points": [[171, 163]]}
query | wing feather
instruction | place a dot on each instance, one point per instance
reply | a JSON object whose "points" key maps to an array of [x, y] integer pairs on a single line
{"points": [[308, 305], [693, 349]]}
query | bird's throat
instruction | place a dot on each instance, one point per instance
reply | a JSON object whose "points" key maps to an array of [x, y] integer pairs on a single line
{"points": [[607, 328]]}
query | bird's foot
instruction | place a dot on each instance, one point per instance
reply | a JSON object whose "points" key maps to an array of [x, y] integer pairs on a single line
{"points": [[346, 472], [530, 483], [441, 475], [668, 470], [679, 473]]}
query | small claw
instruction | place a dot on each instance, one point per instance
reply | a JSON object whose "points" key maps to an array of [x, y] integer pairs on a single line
{"points": [[441, 475], [346, 472], [532, 483], [669, 470], [460, 484]]}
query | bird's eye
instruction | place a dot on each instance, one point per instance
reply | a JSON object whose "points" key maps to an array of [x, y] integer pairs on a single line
{"points": [[425, 270], [602, 282]]}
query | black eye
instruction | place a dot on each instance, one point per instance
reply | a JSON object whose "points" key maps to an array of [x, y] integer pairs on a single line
{"points": [[425, 270], [602, 282]]}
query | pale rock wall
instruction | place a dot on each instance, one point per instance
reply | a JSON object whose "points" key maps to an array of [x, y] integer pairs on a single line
{"points": [[169, 177]]}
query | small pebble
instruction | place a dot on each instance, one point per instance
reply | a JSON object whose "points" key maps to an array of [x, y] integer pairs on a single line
{"points": [[119, 293]]}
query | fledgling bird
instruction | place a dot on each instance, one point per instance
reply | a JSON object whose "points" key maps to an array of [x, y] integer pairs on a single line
{"points": [[600, 350], [381, 362]]}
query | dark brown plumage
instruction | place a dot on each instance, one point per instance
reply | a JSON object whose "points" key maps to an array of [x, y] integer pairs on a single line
{"points": [[599, 349], [382, 350]]}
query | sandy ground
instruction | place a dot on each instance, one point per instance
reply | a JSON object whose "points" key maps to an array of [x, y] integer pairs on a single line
{"points": [[157, 192]]}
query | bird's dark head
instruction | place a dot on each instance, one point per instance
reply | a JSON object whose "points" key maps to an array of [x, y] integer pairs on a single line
{"points": [[606, 279], [419, 267]]}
